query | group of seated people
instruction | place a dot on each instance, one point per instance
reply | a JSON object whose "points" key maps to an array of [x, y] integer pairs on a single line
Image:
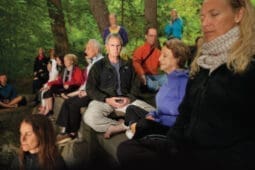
{"points": [[203, 117], [113, 85]]}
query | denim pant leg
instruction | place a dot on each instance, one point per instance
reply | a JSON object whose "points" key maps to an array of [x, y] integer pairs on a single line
{"points": [[154, 82], [161, 78]]}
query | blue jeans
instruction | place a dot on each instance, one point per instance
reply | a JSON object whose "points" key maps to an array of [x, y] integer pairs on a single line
{"points": [[154, 82]]}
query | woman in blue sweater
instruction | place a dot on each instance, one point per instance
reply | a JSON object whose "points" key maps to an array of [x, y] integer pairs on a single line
{"points": [[138, 121], [172, 61]]}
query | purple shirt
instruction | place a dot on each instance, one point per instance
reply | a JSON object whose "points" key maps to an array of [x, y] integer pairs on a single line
{"points": [[169, 98]]}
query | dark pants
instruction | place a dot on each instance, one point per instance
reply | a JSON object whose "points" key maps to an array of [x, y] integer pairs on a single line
{"points": [[143, 127], [146, 153], [37, 85], [23, 102], [149, 153], [58, 89], [70, 114], [143, 154], [42, 78]]}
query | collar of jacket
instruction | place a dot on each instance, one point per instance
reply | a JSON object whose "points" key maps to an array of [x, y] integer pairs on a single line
{"points": [[108, 63]]}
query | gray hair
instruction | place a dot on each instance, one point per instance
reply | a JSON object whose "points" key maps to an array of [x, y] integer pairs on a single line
{"points": [[95, 44], [113, 35]]}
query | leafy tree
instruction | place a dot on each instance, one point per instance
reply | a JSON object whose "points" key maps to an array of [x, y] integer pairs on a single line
{"points": [[100, 12], [25, 26], [188, 11], [150, 12], [58, 27]]}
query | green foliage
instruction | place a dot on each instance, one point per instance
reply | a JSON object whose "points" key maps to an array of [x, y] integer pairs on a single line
{"points": [[80, 24], [187, 10], [25, 26], [132, 18]]}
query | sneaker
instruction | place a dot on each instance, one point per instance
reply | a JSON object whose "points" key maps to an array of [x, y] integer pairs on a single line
{"points": [[129, 134]]}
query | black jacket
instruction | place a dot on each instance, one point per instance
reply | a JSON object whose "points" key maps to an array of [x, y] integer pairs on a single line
{"points": [[102, 80], [40, 68], [31, 163], [216, 117]]}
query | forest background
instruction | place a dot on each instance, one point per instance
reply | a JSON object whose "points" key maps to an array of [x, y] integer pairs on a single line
{"points": [[66, 25]]}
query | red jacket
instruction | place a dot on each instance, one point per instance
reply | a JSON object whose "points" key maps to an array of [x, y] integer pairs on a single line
{"points": [[76, 79], [151, 65]]}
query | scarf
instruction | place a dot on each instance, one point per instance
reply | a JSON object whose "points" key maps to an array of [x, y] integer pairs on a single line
{"points": [[67, 74], [215, 52]]}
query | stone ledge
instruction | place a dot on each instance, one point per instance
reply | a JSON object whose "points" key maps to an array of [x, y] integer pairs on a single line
{"points": [[92, 147]]}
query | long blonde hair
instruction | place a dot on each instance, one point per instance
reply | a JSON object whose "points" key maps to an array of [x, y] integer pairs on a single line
{"points": [[242, 52]]}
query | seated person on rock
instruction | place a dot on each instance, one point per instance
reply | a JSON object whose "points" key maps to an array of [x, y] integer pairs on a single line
{"points": [[215, 127], [69, 117], [112, 87], [52, 68], [173, 58], [146, 61], [8, 95], [40, 74], [40, 70], [69, 81]]}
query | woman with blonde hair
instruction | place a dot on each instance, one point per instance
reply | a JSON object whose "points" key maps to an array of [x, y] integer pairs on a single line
{"points": [[69, 81], [215, 128]]}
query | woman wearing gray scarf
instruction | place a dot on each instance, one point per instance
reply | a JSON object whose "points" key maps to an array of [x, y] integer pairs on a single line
{"points": [[215, 128], [70, 81]]}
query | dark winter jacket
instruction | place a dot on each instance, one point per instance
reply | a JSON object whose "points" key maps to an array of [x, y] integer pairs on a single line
{"points": [[40, 69], [216, 117], [102, 80], [31, 163]]}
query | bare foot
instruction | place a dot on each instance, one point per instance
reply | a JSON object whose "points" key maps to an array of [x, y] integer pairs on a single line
{"points": [[113, 129], [14, 106], [133, 127], [64, 96]]}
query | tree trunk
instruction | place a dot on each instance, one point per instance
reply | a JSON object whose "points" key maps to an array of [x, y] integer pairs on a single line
{"points": [[100, 13], [58, 27], [150, 12]]}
